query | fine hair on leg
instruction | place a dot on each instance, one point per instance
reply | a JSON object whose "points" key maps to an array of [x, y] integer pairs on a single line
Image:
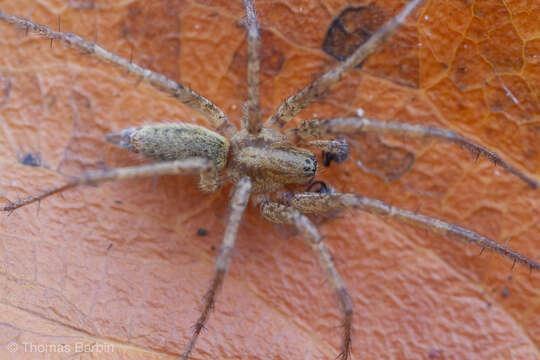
{"points": [[253, 121], [238, 204], [316, 203], [283, 214], [354, 125], [177, 167], [297, 102], [185, 95]]}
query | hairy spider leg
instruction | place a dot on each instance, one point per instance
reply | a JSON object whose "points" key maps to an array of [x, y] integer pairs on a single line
{"points": [[282, 214], [316, 203], [253, 121], [177, 167], [238, 204], [353, 125], [185, 95], [297, 102]]}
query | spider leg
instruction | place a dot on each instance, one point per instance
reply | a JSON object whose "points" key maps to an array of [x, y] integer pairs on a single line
{"points": [[178, 167], [185, 95], [297, 102], [253, 121], [239, 201], [279, 213], [319, 203], [350, 125]]}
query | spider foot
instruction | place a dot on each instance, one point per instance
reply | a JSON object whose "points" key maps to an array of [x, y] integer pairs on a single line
{"points": [[11, 206], [344, 355]]}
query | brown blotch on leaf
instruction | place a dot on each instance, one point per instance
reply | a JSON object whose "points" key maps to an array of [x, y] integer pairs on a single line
{"points": [[352, 28], [153, 29], [397, 61], [387, 162]]}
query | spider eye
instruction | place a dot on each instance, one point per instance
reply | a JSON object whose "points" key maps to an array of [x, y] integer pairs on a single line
{"points": [[311, 165]]}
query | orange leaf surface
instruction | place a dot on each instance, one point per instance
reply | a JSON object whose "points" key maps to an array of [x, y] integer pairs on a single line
{"points": [[121, 267]]}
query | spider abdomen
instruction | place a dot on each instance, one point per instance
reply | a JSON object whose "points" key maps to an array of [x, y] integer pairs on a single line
{"points": [[178, 141]]}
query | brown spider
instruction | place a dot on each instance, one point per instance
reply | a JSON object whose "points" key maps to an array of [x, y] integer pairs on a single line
{"points": [[262, 161]]}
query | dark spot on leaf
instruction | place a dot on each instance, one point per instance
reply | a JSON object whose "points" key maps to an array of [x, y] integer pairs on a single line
{"points": [[396, 61], [31, 160], [352, 28]]}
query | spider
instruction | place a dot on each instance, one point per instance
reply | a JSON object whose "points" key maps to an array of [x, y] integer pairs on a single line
{"points": [[135, 139]]}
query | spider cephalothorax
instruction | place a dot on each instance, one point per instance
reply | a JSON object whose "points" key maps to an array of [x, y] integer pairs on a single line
{"points": [[270, 160], [260, 160]]}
